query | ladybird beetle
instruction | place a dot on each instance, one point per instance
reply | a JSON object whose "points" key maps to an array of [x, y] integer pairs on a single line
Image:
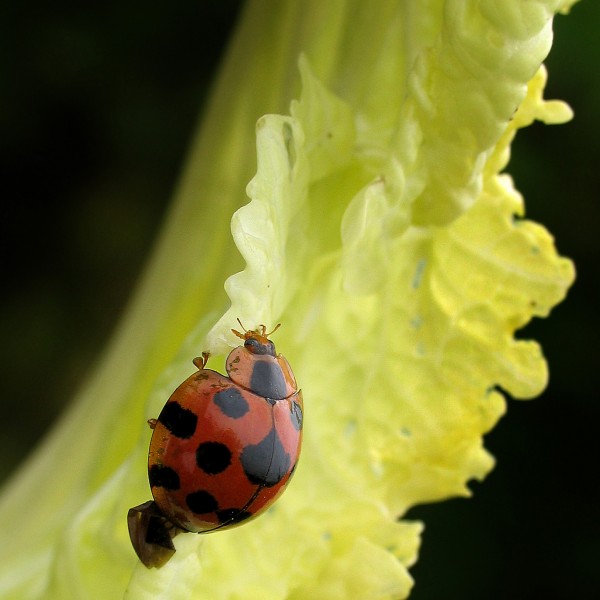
{"points": [[223, 449]]}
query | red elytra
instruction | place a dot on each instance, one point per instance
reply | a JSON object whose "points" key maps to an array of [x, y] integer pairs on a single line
{"points": [[223, 449]]}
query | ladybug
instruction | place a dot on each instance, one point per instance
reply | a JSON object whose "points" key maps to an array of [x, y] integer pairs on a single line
{"points": [[223, 449]]}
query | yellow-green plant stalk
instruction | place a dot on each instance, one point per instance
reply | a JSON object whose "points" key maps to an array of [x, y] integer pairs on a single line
{"points": [[383, 234]]}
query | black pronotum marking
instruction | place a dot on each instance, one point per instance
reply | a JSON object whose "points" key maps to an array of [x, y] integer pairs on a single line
{"points": [[180, 421], [201, 502], [162, 476], [231, 402], [213, 457], [267, 462], [254, 346], [267, 380]]}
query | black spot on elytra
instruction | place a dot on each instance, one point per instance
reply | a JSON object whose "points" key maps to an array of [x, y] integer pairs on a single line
{"points": [[233, 515], [162, 476], [213, 457], [267, 380], [267, 462], [296, 416], [201, 502], [180, 421], [231, 402]]}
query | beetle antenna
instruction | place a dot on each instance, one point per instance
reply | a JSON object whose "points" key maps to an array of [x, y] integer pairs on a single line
{"points": [[273, 331]]}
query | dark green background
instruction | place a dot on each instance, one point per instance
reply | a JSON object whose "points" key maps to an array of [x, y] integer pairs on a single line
{"points": [[97, 107]]}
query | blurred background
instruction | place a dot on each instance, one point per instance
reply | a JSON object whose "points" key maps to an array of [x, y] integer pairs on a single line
{"points": [[97, 108]]}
